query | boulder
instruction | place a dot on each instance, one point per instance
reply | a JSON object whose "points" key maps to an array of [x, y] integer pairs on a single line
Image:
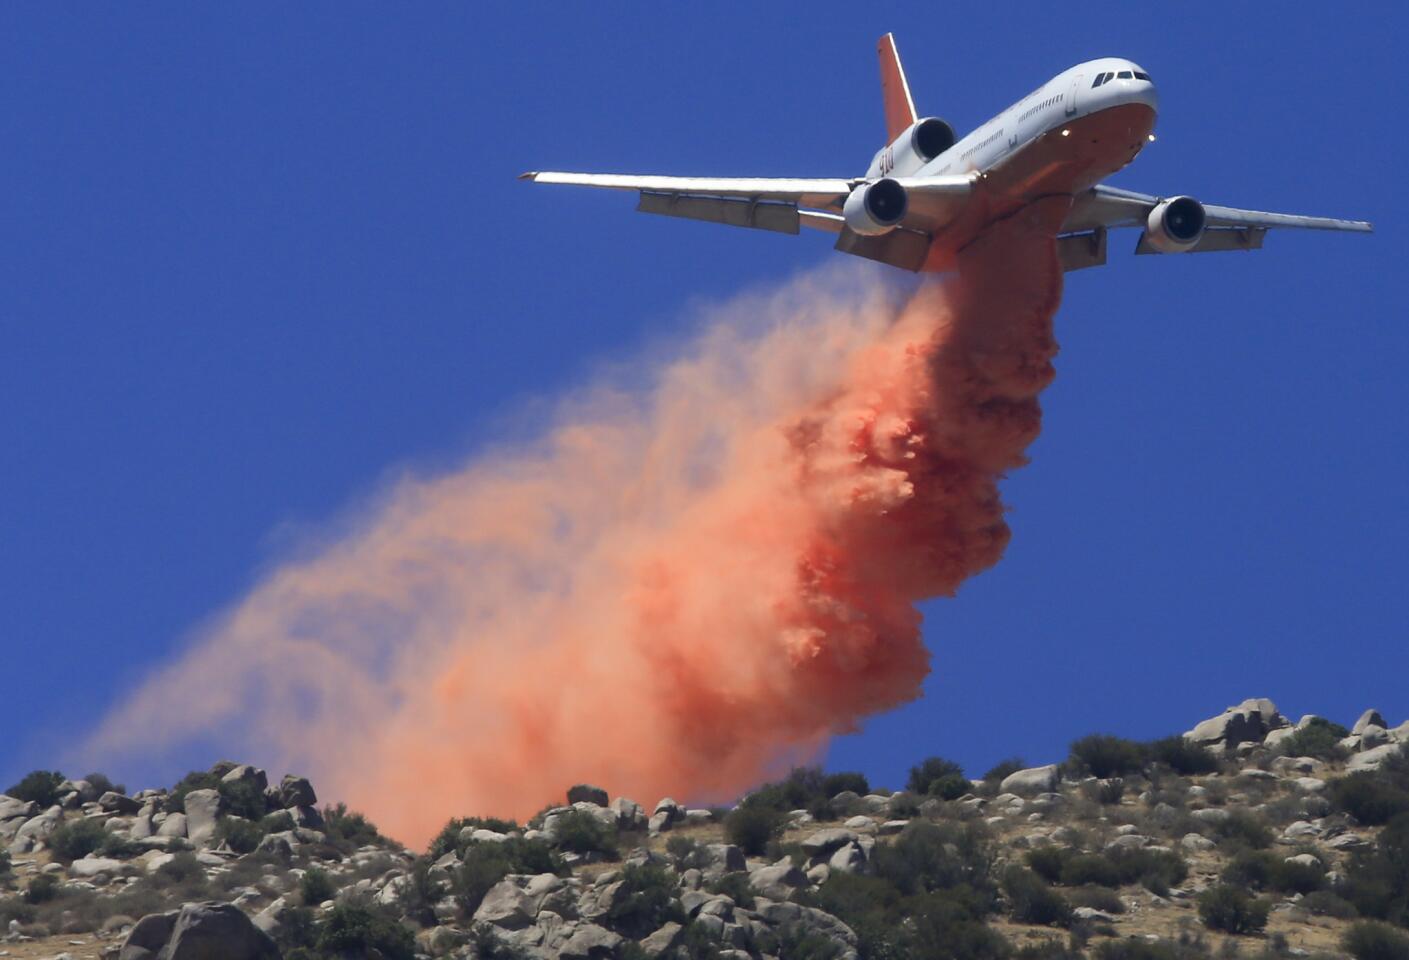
{"points": [[1400, 734], [848, 859], [505, 905], [308, 817], [777, 882], [1031, 781], [90, 866], [629, 815], [1371, 759], [1373, 736], [662, 940], [173, 826], [296, 792], [723, 858], [1368, 718], [203, 809], [199, 931], [10, 808], [1248, 722], [586, 793], [590, 940], [114, 802], [823, 842], [245, 774]]}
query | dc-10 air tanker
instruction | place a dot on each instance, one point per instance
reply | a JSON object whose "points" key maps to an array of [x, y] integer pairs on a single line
{"points": [[928, 194]]}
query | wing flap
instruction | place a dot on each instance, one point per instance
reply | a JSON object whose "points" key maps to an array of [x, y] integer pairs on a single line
{"points": [[803, 191], [778, 216]]}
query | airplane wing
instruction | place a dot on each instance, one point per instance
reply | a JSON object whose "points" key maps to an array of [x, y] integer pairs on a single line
{"points": [[1228, 228], [764, 203]]}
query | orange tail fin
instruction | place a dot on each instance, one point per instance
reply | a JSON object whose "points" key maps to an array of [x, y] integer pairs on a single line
{"points": [[895, 89]]}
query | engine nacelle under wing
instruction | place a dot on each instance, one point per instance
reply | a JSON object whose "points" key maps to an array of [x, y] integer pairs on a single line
{"points": [[875, 208], [1176, 225], [918, 145]]}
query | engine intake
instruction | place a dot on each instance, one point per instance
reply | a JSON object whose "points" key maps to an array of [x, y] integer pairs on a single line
{"points": [[875, 208], [931, 137], [1176, 225]]}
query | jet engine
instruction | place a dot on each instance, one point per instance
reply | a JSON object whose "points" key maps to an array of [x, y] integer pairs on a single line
{"points": [[921, 142], [875, 208], [1176, 225]]}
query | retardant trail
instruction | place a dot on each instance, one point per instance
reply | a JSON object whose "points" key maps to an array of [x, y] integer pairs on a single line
{"points": [[673, 592]]}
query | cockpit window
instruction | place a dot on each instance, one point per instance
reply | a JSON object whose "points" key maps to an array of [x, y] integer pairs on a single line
{"points": [[1140, 75], [1125, 75], [1102, 78]]}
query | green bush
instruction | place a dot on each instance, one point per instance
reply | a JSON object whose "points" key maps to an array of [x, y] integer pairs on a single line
{"points": [[182, 868], [1260, 870], [38, 786], [101, 783], [938, 777], [315, 887], [646, 901], [736, 887], [1132, 949], [1368, 940], [1001, 770], [1084, 869], [1231, 910], [687, 853], [41, 889], [241, 835], [1030, 900], [750, 828], [354, 930], [1102, 755], [348, 828], [75, 839], [5, 866], [244, 799], [942, 925], [1048, 862], [1369, 798], [1156, 870], [928, 857], [801, 789], [485, 864], [1184, 757], [1097, 898], [835, 783], [1377, 880], [797, 942], [1324, 903], [277, 822], [195, 780], [449, 837], [581, 832], [119, 847], [1243, 829], [1320, 739]]}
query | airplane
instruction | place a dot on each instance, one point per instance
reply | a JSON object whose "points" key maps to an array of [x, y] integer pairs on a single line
{"points": [[928, 194]]}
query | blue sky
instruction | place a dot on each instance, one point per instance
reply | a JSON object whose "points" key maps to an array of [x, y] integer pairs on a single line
{"points": [[259, 257]]}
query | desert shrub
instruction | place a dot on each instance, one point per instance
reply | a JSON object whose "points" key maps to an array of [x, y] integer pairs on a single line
{"points": [[1031, 901], [102, 783], [244, 799], [1001, 770], [646, 900], [1377, 880], [1133, 949], [926, 857], [488, 863], [1184, 757], [1050, 949], [835, 783], [38, 786], [1090, 868], [580, 832], [1103, 755], [240, 834], [938, 777], [1324, 903], [1156, 870], [119, 847], [801, 789], [181, 868], [5, 865], [686, 852], [315, 887], [1260, 870], [277, 822], [448, 839], [1369, 798], [1320, 739], [1368, 940], [751, 827], [1047, 862], [355, 930], [41, 889], [75, 839], [797, 942], [195, 780], [347, 828], [1097, 898], [1243, 829], [1232, 910], [1105, 792], [942, 925], [904, 806], [736, 887]]}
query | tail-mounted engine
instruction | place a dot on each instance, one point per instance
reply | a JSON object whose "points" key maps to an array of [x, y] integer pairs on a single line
{"points": [[1176, 225], [875, 208]]}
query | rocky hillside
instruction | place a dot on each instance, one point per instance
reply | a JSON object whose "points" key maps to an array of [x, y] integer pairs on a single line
{"points": [[1249, 835]]}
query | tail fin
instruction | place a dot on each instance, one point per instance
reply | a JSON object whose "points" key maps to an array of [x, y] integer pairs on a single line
{"points": [[895, 89]]}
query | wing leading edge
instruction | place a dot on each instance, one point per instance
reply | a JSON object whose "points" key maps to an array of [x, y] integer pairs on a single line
{"points": [[1103, 208]]}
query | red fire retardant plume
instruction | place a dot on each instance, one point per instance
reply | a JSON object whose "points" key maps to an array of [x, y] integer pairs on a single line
{"points": [[674, 592]]}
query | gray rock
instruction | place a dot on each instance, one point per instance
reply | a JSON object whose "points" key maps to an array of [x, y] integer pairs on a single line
{"points": [[114, 802], [1309, 784], [308, 817], [246, 774], [1211, 815], [1305, 860], [277, 846], [296, 792], [441, 940], [659, 823], [860, 822], [1033, 780], [10, 808], [848, 859], [724, 858], [91, 866], [590, 940], [148, 936], [1373, 736], [1248, 722], [629, 815], [173, 826], [1092, 914], [505, 905], [1371, 759], [892, 827], [1196, 842], [271, 918], [662, 940], [586, 793], [823, 842], [1368, 718], [203, 809], [777, 882], [1400, 734]]}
